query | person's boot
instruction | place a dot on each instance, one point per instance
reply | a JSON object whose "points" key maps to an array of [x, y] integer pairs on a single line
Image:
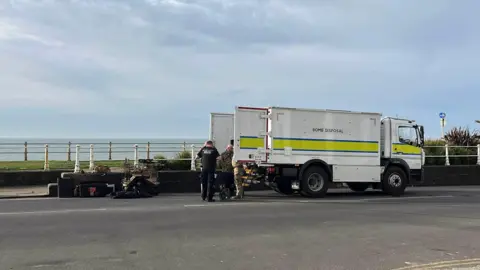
{"points": [[237, 196]]}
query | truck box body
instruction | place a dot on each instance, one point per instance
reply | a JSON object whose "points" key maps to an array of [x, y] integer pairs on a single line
{"points": [[337, 137], [349, 141], [221, 129]]}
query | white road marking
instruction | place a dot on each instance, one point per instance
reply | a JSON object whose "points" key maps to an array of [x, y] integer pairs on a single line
{"points": [[287, 201], [226, 204], [408, 198], [46, 212]]}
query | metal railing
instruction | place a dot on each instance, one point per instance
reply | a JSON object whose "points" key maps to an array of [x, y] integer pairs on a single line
{"points": [[469, 152], [98, 152], [169, 149], [136, 157], [107, 150]]}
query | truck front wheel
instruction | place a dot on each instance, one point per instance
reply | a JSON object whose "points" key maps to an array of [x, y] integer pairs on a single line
{"points": [[394, 181], [314, 182]]}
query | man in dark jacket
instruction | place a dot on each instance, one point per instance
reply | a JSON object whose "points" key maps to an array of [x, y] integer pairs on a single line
{"points": [[209, 155]]}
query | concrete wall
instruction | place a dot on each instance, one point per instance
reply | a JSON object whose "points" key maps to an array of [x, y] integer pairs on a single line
{"points": [[458, 175], [29, 178]]}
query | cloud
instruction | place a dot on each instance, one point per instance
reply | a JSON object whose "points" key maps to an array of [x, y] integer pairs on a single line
{"points": [[124, 60]]}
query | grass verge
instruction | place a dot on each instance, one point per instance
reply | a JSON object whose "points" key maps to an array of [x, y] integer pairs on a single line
{"points": [[54, 164]]}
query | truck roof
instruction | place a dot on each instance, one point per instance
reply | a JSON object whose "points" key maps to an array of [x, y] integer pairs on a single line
{"points": [[324, 110]]}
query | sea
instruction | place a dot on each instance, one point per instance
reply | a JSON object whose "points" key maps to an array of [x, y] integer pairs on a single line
{"points": [[13, 149]]}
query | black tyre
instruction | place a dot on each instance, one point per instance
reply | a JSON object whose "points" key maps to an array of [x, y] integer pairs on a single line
{"points": [[314, 182], [284, 185], [394, 181], [358, 187]]}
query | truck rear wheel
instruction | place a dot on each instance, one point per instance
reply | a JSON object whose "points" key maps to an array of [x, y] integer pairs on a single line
{"points": [[358, 187], [314, 182], [394, 181]]}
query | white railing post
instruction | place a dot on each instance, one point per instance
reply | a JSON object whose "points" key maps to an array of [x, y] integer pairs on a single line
{"points": [[46, 166], [135, 155], [447, 157], [478, 154], [92, 161], [77, 159], [192, 160]]}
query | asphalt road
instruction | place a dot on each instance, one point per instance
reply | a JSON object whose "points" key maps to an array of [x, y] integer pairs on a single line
{"points": [[266, 231]]}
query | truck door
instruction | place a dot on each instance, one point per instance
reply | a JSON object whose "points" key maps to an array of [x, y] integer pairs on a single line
{"points": [[251, 137], [221, 129], [406, 144]]}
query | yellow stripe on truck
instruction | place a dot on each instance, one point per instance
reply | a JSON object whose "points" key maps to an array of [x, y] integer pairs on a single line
{"points": [[348, 146], [406, 149], [247, 142]]}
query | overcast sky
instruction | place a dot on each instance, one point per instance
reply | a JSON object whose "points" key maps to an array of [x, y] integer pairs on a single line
{"points": [[152, 68]]}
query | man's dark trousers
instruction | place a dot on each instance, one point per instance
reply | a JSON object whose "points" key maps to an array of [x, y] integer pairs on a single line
{"points": [[208, 184]]}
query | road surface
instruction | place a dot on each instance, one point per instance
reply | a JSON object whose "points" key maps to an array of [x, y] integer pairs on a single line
{"points": [[266, 231]]}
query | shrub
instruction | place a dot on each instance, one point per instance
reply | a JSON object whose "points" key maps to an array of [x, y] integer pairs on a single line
{"points": [[434, 152], [178, 164], [159, 156], [462, 137], [462, 155], [162, 161], [457, 136]]}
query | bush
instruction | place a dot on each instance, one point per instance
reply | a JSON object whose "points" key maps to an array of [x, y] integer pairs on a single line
{"points": [[178, 164], [462, 156], [159, 156], [163, 162], [434, 152], [462, 137], [457, 136]]}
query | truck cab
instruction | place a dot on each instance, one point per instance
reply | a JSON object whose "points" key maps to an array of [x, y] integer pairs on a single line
{"points": [[401, 142]]}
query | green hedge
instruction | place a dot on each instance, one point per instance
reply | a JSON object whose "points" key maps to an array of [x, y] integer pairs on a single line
{"points": [[462, 147], [176, 164], [435, 154]]}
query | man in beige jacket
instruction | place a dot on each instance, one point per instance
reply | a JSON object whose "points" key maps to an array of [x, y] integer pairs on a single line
{"points": [[238, 172]]}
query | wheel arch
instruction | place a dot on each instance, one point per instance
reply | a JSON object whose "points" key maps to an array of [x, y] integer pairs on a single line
{"points": [[397, 162], [316, 162]]}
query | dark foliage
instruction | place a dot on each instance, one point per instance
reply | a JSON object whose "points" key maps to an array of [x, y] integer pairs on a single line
{"points": [[462, 148]]}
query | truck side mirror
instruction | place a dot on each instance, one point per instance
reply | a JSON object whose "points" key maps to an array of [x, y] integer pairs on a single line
{"points": [[422, 138]]}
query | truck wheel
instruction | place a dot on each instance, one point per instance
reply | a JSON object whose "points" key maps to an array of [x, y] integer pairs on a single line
{"points": [[358, 187], [394, 181], [314, 182]]}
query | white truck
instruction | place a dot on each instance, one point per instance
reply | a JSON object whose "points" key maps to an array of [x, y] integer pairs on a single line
{"points": [[221, 129], [306, 150]]}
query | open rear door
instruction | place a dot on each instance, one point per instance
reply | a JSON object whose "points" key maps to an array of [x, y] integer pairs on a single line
{"points": [[221, 129], [251, 137]]}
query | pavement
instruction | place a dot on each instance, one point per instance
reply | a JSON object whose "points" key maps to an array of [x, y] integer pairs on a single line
{"points": [[23, 191], [439, 227]]}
